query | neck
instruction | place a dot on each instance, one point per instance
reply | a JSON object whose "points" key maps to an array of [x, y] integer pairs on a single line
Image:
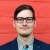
{"points": [[25, 40]]}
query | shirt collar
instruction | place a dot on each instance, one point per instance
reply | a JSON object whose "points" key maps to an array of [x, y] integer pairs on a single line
{"points": [[21, 44]]}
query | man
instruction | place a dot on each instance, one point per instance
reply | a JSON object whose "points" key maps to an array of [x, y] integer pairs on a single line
{"points": [[24, 22]]}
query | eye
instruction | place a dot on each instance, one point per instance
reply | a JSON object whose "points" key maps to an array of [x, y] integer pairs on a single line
{"points": [[19, 18], [29, 18]]}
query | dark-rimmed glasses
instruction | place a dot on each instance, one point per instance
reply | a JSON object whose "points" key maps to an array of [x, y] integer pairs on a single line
{"points": [[21, 19]]}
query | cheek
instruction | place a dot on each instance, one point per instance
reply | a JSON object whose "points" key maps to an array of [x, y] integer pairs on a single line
{"points": [[31, 25], [17, 26]]}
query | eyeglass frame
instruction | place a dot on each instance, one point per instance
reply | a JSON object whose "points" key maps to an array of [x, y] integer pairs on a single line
{"points": [[24, 19]]}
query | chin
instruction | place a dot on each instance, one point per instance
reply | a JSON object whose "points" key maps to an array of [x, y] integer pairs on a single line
{"points": [[25, 35]]}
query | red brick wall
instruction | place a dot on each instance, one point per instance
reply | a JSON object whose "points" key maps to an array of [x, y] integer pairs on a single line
{"points": [[42, 10]]}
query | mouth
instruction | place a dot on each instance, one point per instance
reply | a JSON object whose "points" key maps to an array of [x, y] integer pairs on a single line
{"points": [[24, 28]]}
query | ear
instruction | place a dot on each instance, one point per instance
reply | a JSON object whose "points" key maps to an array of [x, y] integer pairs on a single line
{"points": [[35, 23], [13, 23]]}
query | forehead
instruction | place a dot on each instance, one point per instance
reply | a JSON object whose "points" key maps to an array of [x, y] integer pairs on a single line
{"points": [[25, 13]]}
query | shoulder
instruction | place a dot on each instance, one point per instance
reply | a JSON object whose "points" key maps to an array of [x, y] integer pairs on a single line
{"points": [[10, 42], [9, 45], [42, 44]]}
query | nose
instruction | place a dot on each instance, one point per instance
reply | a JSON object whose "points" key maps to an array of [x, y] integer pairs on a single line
{"points": [[24, 22]]}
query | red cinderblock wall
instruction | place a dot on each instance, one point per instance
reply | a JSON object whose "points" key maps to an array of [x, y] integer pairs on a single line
{"points": [[42, 10]]}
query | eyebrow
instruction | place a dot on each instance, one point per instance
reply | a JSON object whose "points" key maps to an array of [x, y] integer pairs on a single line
{"points": [[22, 17]]}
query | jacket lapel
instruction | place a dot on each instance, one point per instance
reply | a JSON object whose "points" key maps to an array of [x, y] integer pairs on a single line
{"points": [[36, 45], [14, 45]]}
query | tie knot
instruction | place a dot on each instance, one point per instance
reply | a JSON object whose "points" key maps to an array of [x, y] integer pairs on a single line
{"points": [[25, 46]]}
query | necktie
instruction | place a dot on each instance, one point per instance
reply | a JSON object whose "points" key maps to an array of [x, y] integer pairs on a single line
{"points": [[25, 47]]}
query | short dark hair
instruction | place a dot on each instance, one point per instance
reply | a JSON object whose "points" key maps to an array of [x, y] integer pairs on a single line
{"points": [[24, 7]]}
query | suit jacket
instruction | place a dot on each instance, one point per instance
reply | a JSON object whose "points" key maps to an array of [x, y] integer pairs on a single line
{"points": [[37, 45]]}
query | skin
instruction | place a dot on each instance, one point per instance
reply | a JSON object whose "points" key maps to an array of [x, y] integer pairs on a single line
{"points": [[24, 29]]}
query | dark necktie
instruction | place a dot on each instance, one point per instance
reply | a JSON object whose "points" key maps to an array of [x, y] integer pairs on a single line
{"points": [[25, 47]]}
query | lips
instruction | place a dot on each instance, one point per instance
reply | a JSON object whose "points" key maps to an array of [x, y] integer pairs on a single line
{"points": [[23, 28]]}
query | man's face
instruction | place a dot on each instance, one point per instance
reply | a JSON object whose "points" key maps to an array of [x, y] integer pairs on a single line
{"points": [[24, 27]]}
